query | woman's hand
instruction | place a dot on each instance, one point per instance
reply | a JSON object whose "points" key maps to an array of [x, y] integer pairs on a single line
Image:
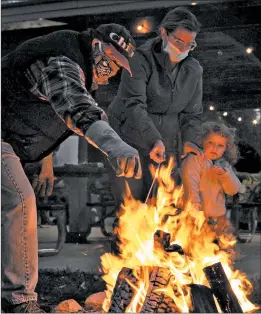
{"points": [[44, 182], [193, 148], [157, 153]]}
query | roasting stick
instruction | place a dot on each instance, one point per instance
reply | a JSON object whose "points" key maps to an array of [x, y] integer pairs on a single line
{"points": [[153, 182]]}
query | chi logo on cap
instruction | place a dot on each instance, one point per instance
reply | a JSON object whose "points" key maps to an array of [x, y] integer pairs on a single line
{"points": [[119, 40]]}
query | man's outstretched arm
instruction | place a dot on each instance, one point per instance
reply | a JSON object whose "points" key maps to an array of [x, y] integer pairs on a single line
{"points": [[61, 82]]}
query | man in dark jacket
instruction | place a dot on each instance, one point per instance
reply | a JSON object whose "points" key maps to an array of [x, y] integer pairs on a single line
{"points": [[162, 98], [46, 85]]}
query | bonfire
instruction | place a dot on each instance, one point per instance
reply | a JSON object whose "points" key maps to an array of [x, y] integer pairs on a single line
{"points": [[166, 251]]}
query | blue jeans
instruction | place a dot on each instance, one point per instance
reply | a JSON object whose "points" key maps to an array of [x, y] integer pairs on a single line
{"points": [[18, 230]]}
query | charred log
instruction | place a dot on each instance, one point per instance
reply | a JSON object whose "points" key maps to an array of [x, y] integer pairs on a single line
{"points": [[202, 300], [122, 292], [161, 240], [222, 289], [158, 302], [175, 248]]}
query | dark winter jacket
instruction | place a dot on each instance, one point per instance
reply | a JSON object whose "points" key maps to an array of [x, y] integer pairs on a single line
{"points": [[30, 124], [154, 103]]}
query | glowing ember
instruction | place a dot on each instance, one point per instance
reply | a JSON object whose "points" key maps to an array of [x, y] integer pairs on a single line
{"points": [[188, 228]]}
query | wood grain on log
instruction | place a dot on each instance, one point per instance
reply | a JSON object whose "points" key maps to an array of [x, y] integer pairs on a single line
{"points": [[158, 302], [222, 289], [122, 292], [202, 300]]}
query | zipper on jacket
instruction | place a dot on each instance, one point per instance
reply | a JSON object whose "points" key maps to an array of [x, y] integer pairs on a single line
{"points": [[160, 121], [172, 90], [173, 83]]}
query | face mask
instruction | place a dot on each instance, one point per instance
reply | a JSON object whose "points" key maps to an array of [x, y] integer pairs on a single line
{"points": [[104, 67], [175, 52]]}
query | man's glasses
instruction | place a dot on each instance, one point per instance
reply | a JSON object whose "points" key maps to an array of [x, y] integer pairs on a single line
{"points": [[181, 45]]}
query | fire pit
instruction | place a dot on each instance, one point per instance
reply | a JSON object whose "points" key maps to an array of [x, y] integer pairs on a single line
{"points": [[171, 261]]}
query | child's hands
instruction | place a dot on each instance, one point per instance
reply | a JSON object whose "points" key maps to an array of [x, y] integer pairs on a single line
{"points": [[218, 170]]}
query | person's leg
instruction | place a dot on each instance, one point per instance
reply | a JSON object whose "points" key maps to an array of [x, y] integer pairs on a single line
{"points": [[18, 230]]}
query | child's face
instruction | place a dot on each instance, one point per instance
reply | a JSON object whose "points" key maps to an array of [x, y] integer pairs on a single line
{"points": [[214, 146]]}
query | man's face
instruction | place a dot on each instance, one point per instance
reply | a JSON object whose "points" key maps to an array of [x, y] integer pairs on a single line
{"points": [[104, 69], [107, 62]]}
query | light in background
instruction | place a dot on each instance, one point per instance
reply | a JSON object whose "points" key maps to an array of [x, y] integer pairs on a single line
{"points": [[258, 114], [143, 25], [249, 50], [211, 108], [225, 114]]}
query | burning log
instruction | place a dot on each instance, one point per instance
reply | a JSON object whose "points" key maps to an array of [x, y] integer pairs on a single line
{"points": [[122, 292], [161, 239], [202, 299], [155, 301], [222, 289], [158, 302], [173, 264]]}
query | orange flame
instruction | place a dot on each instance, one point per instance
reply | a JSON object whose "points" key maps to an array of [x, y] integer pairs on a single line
{"points": [[188, 228]]}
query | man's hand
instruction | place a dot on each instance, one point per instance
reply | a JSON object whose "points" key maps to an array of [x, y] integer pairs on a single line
{"points": [[157, 153], [124, 159], [43, 183], [128, 167]]}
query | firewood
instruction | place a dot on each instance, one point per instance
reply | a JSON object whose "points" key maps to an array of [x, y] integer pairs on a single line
{"points": [[222, 289], [175, 248], [158, 302], [161, 240], [122, 292], [202, 300]]}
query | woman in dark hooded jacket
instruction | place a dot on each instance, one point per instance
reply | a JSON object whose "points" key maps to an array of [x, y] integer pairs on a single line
{"points": [[162, 99]]}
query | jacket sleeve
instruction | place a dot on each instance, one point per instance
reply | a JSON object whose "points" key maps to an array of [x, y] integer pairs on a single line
{"points": [[191, 116], [132, 91], [229, 182], [61, 82], [190, 176]]}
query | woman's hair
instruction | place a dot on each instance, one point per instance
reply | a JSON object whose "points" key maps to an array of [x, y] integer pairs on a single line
{"points": [[180, 17], [231, 152]]}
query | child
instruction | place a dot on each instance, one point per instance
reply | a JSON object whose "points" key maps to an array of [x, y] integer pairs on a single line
{"points": [[207, 175]]}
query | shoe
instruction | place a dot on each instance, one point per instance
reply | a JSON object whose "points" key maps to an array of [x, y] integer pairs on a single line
{"points": [[26, 307]]}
